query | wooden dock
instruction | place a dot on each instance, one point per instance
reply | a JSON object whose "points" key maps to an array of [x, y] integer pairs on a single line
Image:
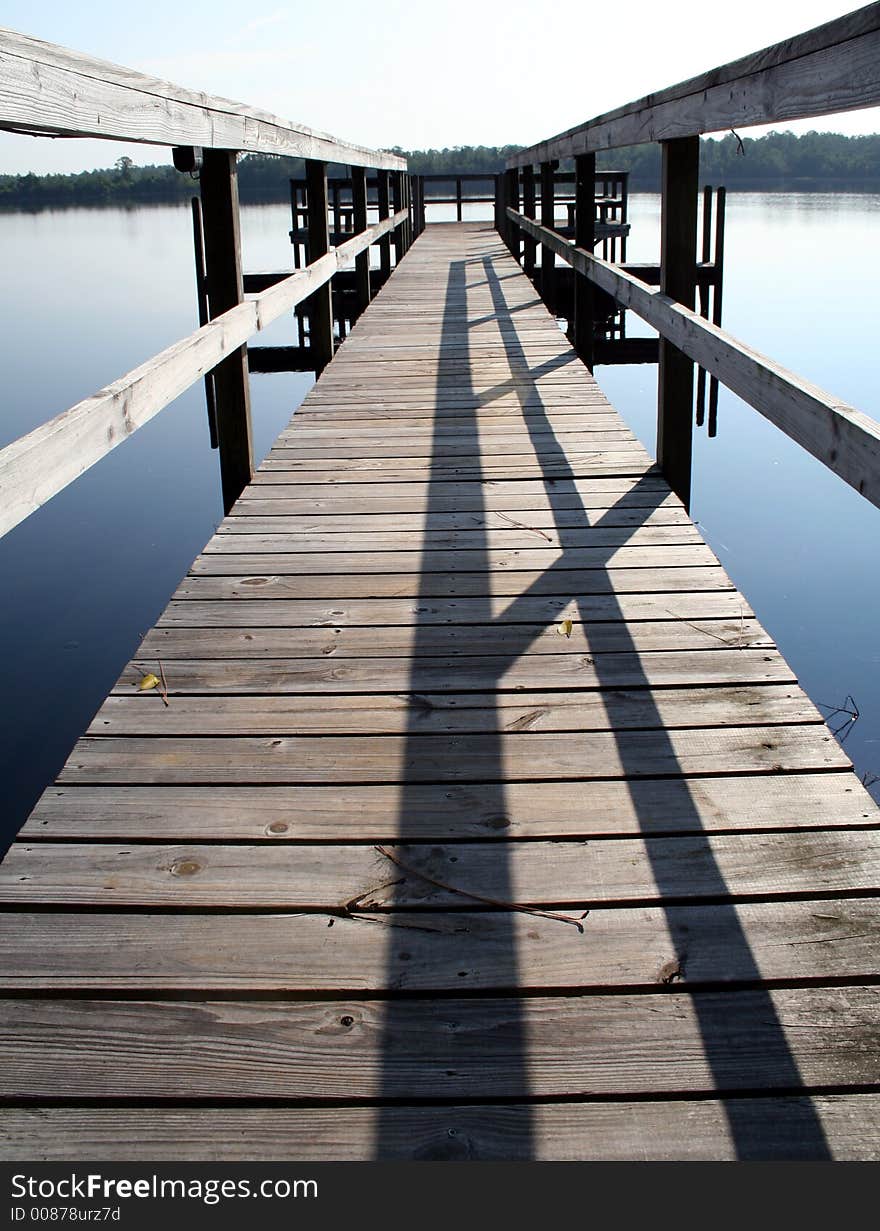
{"points": [[409, 866]]}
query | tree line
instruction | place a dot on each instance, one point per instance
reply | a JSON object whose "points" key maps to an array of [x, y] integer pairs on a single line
{"points": [[776, 161]]}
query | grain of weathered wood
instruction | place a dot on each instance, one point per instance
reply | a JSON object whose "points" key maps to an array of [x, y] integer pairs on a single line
{"points": [[384, 675], [605, 1131], [621, 947], [508, 536], [425, 812], [378, 613], [560, 874], [582, 582], [54, 89], [460, 1049], [245, 563], [452, 712], [579, 710], [521, 756], [233, 640]]}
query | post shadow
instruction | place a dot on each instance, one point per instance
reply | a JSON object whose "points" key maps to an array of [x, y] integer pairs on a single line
{"points": [[401, 1026], [755, 1124]]}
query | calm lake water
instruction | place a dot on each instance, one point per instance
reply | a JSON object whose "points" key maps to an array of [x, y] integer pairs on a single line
{"points": [[92, 293]]}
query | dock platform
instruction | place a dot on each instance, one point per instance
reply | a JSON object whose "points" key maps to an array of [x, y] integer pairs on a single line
{"points": [[483, 820]]}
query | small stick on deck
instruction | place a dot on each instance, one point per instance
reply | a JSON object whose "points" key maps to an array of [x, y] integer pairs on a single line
{"points": [[479, 897]]}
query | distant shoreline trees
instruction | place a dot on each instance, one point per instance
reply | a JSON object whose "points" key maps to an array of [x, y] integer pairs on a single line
{"points": [[778, 161]]}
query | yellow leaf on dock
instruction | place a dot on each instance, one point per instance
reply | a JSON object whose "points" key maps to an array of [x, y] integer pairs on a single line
{"points": [[564, 629], [149, 681]]}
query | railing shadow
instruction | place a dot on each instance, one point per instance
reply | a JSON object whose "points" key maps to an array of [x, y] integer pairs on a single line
{"points": [[754, 1131], [399, 1023], [503, 1048]]}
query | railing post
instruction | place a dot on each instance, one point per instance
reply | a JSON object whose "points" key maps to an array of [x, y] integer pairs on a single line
{"points": [[320, 302], [530, 246], [407, 205], [458, 210], [396, 205], [678, 274], [422, 222], [511, 200], [548, 219], [385, 241], [362, 260], [584, 237], [219, 192]]}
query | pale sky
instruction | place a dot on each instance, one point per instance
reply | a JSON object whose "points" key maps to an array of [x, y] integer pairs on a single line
{"points": [[408, 72]]}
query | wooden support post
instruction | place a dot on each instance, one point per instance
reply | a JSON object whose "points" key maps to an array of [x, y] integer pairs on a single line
{"points": [[717, 296], [385, 241], [320, 302], [397, 204], [407, 205], [499, 205], [458, 200], [204, 312], [678, 273], [703, 295], [584, 237], [530, 247], [362, 260], [218, 185], [420, 206], [548, 214], [512, 201]]}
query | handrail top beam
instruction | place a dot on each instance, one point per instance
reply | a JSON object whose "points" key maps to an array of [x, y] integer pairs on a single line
{"points": [[56, 91], [838, 67]]}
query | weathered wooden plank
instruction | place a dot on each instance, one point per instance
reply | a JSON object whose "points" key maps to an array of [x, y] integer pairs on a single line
{"points": [[238, 610], [348, 563], [521, 756], [380, 813], [455, 712], [231, 640], [500, 584], [627, 948], [697, 1130], [332, 878], [641, 491], [272, 517], [57, 90], [462, 1049], [486, 673], [598, 461], [459, 541]]}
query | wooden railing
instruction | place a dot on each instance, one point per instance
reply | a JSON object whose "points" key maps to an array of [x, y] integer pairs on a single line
{"points": [[833, 68], [51, 90]]}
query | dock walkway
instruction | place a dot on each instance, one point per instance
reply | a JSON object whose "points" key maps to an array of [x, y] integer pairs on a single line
{"points": [[484, 820]]}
